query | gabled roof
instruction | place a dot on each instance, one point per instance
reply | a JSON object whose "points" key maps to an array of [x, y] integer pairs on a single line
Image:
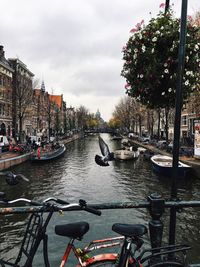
{"points": [[56, 99]]}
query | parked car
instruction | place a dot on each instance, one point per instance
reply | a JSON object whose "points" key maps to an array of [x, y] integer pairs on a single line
{"points": [[162, 144], [144, 139], [153, 142], [4, 144], [183, 150], [132, 136]]}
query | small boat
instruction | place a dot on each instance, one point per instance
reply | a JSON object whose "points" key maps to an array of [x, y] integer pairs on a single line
{"points": [[46, 156], [148, 154], [116, 137], [125, 142], [141, 150], [163, 165], [126, 153]]}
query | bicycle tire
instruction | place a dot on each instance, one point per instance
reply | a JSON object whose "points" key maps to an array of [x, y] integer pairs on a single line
{"points": [[107, 263], [167, 264]]}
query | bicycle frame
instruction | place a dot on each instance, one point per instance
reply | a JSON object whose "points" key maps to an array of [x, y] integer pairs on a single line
{"points": [[82, 254], [154, 204]]}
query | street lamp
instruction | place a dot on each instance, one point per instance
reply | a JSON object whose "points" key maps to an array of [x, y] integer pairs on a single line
{"points": [[166, 5], [181, 60]]}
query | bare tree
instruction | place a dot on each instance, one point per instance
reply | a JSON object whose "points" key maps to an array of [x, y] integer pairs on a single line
{"points": [[193, 103], [36, 83], [24, 97], [130, 113], [82, 114]]}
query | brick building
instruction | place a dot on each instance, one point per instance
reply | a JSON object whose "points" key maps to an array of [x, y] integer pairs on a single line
{"points": [[6, 75]]}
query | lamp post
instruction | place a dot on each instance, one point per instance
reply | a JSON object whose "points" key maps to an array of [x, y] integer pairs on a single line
{"points": [[166, 5], [181, 61]]}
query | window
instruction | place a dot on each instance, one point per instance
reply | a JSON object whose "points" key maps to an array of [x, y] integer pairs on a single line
{"points": [[184, 120]]}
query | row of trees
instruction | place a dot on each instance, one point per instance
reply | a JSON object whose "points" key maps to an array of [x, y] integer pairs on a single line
{"points": [[151, 60], [130, 115]]}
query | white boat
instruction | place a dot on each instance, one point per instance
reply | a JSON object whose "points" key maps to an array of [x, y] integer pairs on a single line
{"points": [[125, 141], [116, 137], [141, 150], [126, 153], [163, 165]]}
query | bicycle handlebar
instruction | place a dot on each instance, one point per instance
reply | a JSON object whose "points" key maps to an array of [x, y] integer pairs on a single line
{"points": [[45, 206]]}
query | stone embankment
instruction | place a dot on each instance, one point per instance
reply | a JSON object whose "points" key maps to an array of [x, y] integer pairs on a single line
{"points": [[10, 159]]}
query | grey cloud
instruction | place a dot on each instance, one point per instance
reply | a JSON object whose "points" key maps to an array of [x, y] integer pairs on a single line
{"points": [[75, 45]]}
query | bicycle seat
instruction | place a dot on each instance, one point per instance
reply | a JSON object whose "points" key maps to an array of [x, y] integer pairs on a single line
{"points": [[129, 230], [72, 230]]}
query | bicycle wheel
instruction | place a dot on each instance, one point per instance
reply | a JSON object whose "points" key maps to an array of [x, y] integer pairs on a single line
{"points": [[107, 263], [167, 264], [103, 263]]}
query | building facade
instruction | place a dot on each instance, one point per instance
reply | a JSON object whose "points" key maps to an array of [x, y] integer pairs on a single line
{"points": [[6, 76], [21, 98]]}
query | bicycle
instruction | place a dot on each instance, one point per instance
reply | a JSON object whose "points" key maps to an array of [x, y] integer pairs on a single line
{"points": [[131, 235], [36, 233]]}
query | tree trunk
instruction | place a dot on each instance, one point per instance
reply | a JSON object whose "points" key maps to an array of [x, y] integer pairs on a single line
{"points": [[152, 123], [158, 132], [49, 125], [166, 123], [140, 126], [20, 129]]}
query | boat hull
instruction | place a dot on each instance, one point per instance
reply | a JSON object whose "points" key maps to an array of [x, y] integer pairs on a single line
{"points": [[49, 156], [123, 154], [162, 165]]}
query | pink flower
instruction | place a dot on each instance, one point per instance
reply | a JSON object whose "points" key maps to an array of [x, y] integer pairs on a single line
{"points": [[133, 30], [127, 86], [162, 5], [142, 22], [189, 17], [138, 25]]}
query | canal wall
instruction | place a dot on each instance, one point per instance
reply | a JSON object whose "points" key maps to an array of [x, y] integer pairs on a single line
{"points": [[9, 159]]}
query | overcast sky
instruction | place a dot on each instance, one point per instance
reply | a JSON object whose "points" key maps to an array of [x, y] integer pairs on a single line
{"points": [[75, 45]]}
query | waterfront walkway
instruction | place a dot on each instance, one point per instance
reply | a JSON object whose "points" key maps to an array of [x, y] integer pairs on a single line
{"points": [[9, 159]]}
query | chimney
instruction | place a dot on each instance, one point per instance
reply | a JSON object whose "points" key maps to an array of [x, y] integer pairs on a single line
{"points": [[1, 51]]}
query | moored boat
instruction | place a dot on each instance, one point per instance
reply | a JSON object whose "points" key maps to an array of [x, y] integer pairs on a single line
{"points": [[148, 154], [141, 150], [126, 153], [46, 156], [162, 165], [116, 137]]}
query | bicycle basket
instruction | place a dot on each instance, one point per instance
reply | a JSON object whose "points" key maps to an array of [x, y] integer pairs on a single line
{"points": [[30, 242]]}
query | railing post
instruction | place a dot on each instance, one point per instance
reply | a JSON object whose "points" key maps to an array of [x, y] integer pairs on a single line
{"points": [[155, 224]]}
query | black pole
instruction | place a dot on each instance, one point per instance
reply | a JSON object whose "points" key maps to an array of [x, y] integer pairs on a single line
{"points": [[181, 60], [166, 6]]}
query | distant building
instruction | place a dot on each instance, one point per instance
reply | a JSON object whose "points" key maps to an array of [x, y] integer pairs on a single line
{"points": [[58, 110], [22, 95], [50, 112], [101, 122], [6, 75], [41, 102]]}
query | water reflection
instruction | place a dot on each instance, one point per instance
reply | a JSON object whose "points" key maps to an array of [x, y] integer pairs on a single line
{"points": [[77, 176]]}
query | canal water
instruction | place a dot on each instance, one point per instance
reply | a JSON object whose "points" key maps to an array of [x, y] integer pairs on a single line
{"points": [[76, 176]]}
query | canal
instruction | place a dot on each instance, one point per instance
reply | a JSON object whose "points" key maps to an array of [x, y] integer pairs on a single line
{"points": [[76, 176]]}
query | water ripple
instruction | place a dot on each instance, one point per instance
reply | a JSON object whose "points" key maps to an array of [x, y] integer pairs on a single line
{"points": [[76, 176]]}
